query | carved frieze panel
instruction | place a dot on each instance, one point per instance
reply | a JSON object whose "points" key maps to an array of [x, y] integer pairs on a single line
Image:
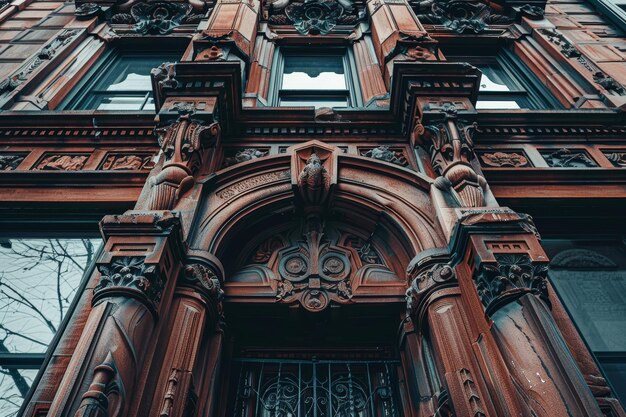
{"points": [[617, 158], [315, 17], [10, 161], [62, 162], [568, 158], [504, 159], [237, 156], [131, 162], [460, 16], [157, 17], [386, 154]]}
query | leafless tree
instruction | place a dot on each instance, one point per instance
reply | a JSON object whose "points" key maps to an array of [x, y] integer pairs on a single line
{"points": [[38, 280]]}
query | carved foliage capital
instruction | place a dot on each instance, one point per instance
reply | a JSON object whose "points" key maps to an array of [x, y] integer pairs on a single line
{"points": [[131, 276], [438, 276], [509, 278]]}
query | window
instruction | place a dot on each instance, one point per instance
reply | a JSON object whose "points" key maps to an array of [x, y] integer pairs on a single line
{"points": [[120, 81], [314, 79], [507, 84], [38, 281], [590, 278]]}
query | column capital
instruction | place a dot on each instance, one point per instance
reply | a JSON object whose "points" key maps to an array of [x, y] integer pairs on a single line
{"points": [[431, 272], [203, 273], [508, 278]]}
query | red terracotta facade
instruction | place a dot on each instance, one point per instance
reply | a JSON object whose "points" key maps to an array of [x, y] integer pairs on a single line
{"points": [[223, 215]]}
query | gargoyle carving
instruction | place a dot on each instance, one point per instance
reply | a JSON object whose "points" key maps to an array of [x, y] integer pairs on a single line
{"points": [[182, 143], [313, 181]]}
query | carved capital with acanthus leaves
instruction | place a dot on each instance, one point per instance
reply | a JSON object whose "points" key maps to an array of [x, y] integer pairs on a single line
{"points": [[450, 141], [183, 143], [204, 280], [427, 281], [510, 277], [130, 276]]}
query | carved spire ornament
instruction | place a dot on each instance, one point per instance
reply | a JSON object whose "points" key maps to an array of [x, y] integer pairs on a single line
{"points": [[451, 145], [182, 143]]}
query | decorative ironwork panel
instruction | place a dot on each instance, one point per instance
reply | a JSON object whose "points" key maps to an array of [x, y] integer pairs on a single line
{"points": [[292, 388]]}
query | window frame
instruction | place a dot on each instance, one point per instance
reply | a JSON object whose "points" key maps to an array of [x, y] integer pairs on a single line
{"points": [[531, 90], [601, 357], [83, 93], [40, 361], [351, 93]]}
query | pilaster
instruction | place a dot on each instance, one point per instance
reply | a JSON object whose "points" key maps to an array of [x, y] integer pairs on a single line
{"points": [[137, 275]]}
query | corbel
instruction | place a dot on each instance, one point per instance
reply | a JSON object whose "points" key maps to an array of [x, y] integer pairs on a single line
{"points": [[184, 143]]}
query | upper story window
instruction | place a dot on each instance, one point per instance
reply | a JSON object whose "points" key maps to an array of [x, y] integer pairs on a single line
{"points": [[507, 84], [317, 79], [119, 81]]}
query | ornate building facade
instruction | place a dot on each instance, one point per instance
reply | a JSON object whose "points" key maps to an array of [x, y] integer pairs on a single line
{"points": [[312, 208]]}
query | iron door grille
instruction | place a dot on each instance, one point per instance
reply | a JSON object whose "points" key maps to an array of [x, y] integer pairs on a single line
{"points": [[316, 388]]}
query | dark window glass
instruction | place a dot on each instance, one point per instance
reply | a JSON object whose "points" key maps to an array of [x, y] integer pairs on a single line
{"points": [[317, 80], [591, 281], [507, 84], [38, 281], [121, 81], [316, 388]]}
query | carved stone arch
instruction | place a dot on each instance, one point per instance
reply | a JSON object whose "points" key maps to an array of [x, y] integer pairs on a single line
{"points": [[315, 226]]}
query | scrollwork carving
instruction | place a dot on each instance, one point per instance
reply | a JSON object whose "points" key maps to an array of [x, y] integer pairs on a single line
{"points": [[9, 162], [316, 17], [386, 154], [618, 159], [157, 17], [314, 272], [130, 275], [460, 16], [509, 278], [437, 276]]}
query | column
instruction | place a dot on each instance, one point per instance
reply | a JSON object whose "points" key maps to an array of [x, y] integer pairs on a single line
{"points": [[136, 279]]}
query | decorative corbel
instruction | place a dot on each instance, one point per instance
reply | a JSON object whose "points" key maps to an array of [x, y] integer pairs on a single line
{"points": [[183, 143], [451, 151]]}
